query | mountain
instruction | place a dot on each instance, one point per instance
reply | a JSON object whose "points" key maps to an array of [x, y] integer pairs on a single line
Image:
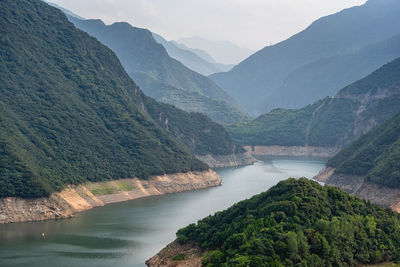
{"points": [[222, 51], [201, 53], [142, 56], [191, 57], [70, 114], [315, 62], [330, 122], [369, 168], [187, 100], [205, 56], [374, 155], [295, 223]]}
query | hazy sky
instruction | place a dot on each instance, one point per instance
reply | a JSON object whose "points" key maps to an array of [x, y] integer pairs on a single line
{"points": [[248, 23]]}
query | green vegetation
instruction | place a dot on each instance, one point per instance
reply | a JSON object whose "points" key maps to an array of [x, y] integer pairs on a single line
{"points": [[219, 111], [298, 223], [69, 113], [110, 187], [179, 257], [199, 134], [159, 75], [332, 121], [375, 155]]}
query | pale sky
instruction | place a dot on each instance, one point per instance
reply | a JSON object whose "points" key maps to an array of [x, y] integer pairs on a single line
{"points": [[247, 23]]}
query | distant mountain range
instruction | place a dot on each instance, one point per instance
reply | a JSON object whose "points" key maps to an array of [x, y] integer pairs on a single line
{"points": [[222, 51], [330, 122], [332, 52], [161, 76], [195, 59]]}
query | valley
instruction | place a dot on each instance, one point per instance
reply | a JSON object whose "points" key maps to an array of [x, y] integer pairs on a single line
{"points": [[131, 232], [199, 134]]}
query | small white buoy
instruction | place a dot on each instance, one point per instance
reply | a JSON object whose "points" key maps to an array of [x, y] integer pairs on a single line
{"points": [[42, 234]]}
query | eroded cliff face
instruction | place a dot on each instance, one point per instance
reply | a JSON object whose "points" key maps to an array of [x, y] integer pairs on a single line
{"points": [[75, 199], [358, 186], [233, 160], [191, 253], [297, 151]]}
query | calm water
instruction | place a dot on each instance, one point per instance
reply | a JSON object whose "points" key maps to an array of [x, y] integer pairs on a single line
{"points": [[128, 233]]}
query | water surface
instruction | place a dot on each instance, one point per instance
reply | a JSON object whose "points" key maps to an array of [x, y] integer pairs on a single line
{"points": [[128, 233]]}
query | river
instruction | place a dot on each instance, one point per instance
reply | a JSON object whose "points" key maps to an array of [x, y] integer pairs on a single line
{"points": [[128, 233]]}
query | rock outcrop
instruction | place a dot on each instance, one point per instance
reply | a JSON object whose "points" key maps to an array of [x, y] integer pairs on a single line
{"points": [[75, 199], [190, 253], [233, 160], [297, 151], [358, 186]]}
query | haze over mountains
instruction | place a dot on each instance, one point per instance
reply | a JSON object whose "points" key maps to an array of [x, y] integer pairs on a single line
{"points": [[161, 76], [329, 122], [222, 51], [292, 73], [195, 59]]}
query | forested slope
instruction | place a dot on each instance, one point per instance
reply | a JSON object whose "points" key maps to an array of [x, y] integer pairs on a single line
{"points": [[298, 223], [330, 122]]}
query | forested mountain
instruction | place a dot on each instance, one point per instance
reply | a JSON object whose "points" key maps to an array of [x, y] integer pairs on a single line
{"points": [[330, 122], [297, 223], [69, 113], [191, 58], [317, 62], [375, 156], [149, 64]]}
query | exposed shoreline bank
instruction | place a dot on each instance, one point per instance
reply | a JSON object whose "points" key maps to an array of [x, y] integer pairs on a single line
{"points": [[296, 151], [80, 198], [232, 160], [359, 187]]}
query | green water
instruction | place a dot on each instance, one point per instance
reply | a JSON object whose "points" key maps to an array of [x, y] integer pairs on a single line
{"points": [[128, 233]]}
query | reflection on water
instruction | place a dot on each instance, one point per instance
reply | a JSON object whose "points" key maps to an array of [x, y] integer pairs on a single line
{"points": [[128, 233]]}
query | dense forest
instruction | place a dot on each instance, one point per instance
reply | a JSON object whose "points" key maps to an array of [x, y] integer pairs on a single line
{"points": [[298, 223], [333, 121], [69, 113], [375, 155]]}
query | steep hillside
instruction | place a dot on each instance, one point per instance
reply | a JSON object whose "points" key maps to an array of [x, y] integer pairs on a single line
{"points": [[331, 122], [140, 54], [190, 58], [375, 156], [295, 223], [282, 75], [69, 113], [218, 111]]}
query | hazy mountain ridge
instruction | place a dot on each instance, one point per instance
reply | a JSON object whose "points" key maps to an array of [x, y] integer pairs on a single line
{"points": [[258, 83], [191, 58], [140, 53], [330, 122], [222, 51]]}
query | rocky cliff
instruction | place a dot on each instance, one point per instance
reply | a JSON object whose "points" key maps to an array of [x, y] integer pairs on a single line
{"points": [[177, 255], [75, 199], [358, 186], [232, 160]]}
